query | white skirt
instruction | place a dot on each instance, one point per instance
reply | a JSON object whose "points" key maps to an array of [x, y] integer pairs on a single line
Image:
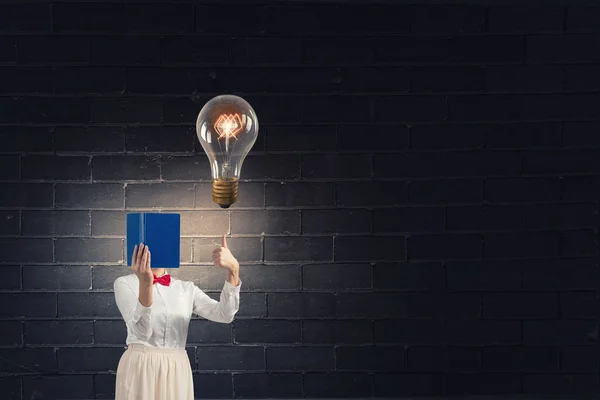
{"points": [[151, 373]]}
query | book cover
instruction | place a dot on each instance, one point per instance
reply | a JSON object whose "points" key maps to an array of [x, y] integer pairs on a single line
{"points": [[160, 232]]}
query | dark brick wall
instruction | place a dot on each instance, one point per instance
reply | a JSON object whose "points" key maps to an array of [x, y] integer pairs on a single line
{"points": [[418, 216]]}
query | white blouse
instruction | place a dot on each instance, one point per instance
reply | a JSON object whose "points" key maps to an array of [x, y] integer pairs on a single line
{"points": [[165, 323]]}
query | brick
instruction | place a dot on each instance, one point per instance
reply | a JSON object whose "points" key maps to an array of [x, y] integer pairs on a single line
{"points": [[94, 17], [337, 332], [30, 305], [267, 331], [444, 305], [471, 218], [336, 166], [425, 358], [560, 274], [521, 244], [57, 277], [524, 78], [336, 109], [299, 194], [83, 250], [108, 223], [336, 276], [172, 139], [259, 50], [582, 19], [271, 167], [338, 384], [336, 221], [409, 219], [463, 359], [490, 163], [27, 79], [300, 358], [282, 109], [53, 49], [578, 305], [88, 305], [560, 383], [519, 190], [272, 277], [213, 386], [89, 139], [520, 305], [159, 195], [265, 222], [532, 359], [370, 248], [8, 47], [203, 331], [558, 332], [376, 305], [58, 332], [413, 331], [127, 110], [579, 243], [394, 384], [20, 360], [444, 137], [110, 332], [196, 223], [97, 195], [352, 138], [25, 250], [182, 109], [207, 18], [196, 49], [580, 134], [88, 359], [103, 277], [482, 384], [563, 162], [484, 276], [89, 80], [185, 168], [267, 385], [25, 17], [112, 168], [447, 79], [413, 108], [54, 109], [356, 194], [483, 332], [525, 19], [11, 277], [300, 138], [408, 276], [245, 249], [246, 358], [60, 386], [12, 333], [30, 139], [125, 50], [160, 80], [254, 305], [447, 19], [56, 167], [380, 79], [485, 48], [380, 358], [27, 195], [416, 49], [159, 18], [582, 78], [10, 109], [450, 191], [579, 188], [555, 49], [104, 385], [405, 165], [560, 216], [303, 305], [59, 223], [9, 223], [444, 246], [336, 51], [579, 359], [11, 386]]}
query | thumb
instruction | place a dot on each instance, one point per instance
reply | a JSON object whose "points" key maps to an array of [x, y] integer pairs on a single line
{"points": [[224, 241]]}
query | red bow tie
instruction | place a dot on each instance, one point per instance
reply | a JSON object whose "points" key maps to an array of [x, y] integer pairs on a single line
{"points": [[163, 280]]}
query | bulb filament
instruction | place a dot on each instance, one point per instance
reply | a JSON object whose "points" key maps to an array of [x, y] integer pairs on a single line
{"points": [[229, 125]]}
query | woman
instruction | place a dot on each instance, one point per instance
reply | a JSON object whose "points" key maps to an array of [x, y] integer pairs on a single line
{"points": [[157, 311]]}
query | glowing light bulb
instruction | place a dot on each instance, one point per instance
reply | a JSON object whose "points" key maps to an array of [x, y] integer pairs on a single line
{"points": [[227, 128]]}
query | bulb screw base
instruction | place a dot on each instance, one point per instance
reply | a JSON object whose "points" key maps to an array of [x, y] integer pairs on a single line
{"points": [[225, 191]]}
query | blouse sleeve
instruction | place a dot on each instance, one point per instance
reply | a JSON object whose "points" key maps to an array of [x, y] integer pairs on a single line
{"points": [[137, 317], [218, 311]]}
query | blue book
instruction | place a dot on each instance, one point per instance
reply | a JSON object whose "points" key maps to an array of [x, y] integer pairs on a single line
{"points": [[160, 232]]}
